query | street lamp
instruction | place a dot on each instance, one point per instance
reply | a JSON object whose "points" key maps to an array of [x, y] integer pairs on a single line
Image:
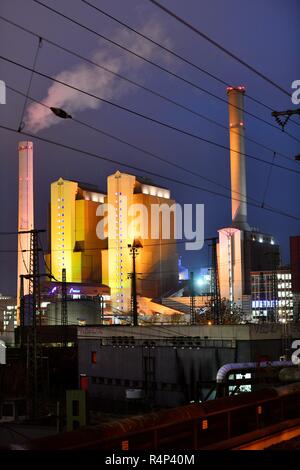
{"points": [[134, 251]]}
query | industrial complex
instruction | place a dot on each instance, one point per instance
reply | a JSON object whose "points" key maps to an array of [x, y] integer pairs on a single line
{"points": [[121, 334]]}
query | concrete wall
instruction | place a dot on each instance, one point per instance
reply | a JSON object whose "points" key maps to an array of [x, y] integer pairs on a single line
{"points": [[180, 374], [79, 310], [184, 359]]}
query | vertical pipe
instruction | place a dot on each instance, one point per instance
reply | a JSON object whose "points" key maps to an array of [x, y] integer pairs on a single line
{"points": [[237, 157]]}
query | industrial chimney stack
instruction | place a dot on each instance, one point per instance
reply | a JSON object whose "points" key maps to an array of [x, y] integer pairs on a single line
{"points": [[237, 157], [25, 213]]}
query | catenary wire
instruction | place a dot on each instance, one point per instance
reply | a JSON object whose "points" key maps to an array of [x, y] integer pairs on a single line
{"points": [[172, 52], [168, 178], [114, 137], [21, 125], [157, 65], [148, 118], [267, 182], [219, 46], [149, 90]]}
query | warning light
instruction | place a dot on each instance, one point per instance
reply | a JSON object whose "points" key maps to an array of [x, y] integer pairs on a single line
{"points": [[204, 424], [125, 445]]}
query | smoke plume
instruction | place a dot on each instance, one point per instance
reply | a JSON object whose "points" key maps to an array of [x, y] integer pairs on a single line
{"points": [[96, 81]]}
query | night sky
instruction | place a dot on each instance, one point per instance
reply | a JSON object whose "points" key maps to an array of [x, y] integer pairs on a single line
{"points": [[264, 33]]}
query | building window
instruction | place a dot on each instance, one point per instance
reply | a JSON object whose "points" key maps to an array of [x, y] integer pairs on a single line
{"points": [[93, 357], [75, 407]]}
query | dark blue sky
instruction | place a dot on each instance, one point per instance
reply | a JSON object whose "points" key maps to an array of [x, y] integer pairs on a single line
{"points": [[264, 33]]}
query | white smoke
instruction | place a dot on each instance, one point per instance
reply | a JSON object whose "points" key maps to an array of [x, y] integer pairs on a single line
{"points": [[96, 81]]}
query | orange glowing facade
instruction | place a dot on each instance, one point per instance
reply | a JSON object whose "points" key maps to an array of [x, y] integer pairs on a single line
{"points": [[130, 202], [125, 215], [74, 244]]}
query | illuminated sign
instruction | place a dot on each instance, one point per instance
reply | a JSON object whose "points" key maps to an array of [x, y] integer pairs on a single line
{"points": [[74, 291]]}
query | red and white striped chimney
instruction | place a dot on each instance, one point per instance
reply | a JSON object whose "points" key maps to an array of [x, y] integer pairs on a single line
{"points": [[25, 213]]}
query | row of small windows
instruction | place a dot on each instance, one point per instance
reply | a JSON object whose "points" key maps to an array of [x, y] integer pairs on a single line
{"points": [[270, 276], [61, 258], [135, 383]]}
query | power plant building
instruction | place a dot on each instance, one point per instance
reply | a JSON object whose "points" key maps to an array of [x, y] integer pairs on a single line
{"points": [[74, 244], [272, 296], [91, 233], [139, 210], [241, 249]]}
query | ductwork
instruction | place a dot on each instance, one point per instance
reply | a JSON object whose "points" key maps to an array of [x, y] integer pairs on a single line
{"points": [[228, 369]]}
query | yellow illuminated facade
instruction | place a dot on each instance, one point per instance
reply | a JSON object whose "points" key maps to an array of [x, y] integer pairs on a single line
{"points": [[74, 244], [130, 202]]}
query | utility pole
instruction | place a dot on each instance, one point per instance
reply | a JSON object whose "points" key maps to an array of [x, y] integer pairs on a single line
{"points": [[64, 306], [282, 117], [34, 310], [192, 300], [21, 303], [214, 284], [134, 306]]}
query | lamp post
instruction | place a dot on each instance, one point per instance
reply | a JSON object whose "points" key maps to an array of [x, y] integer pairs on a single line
{"points": [[134, 307]]}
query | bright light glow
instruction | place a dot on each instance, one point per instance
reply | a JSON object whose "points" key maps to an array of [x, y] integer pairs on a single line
{"points": [[74, 291], [44, 304]]}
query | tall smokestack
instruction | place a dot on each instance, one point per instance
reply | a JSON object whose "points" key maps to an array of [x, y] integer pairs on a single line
{"points": [[25, 213], [237, 157]]}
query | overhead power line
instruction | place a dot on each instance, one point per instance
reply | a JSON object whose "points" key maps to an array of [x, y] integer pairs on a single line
{"points": [[30, 81], [175, 54], [135, 147], [153, 92], [160, 67], [220, 47], [148, 118], [143, 150], [133, 167], [167, 49]]}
